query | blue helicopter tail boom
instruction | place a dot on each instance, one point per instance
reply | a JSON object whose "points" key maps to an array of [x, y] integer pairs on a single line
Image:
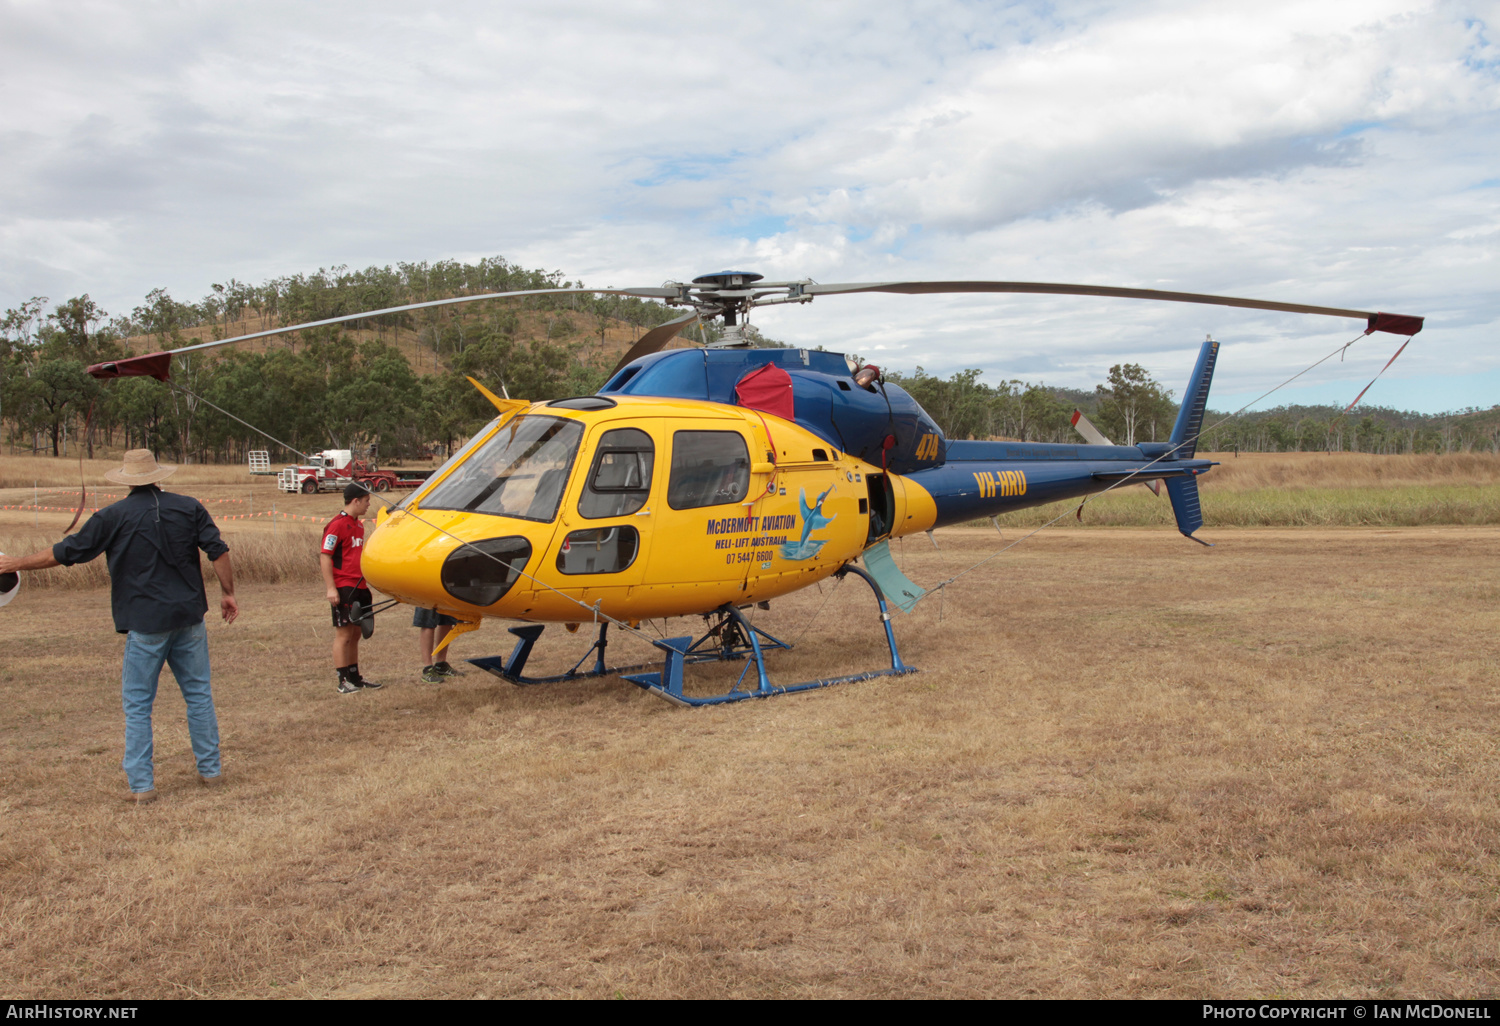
{"points": [[980, 479]]}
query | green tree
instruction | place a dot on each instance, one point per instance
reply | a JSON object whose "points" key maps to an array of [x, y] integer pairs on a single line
{"points": [[1041, 415], [376, 402], [534, 370], [1132, 406], [58, 389], [73, 331], [19, 338], [145, 410], [164, 317], [451, 409]]}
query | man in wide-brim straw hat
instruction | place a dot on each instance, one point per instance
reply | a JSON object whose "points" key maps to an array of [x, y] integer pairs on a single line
{"points": [[151, 540], [140, 468]]}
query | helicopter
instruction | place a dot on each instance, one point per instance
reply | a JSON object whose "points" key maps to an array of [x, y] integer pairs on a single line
{"points": [[707, 481]]}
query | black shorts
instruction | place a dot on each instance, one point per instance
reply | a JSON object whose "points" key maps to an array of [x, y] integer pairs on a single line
{"points": [[346, 596], [430, 618]]}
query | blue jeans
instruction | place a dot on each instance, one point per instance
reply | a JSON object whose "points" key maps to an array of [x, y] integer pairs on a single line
{"points": [[186, 652]]}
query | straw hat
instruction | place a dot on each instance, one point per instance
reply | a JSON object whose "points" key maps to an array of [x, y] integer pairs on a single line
{"points": [[140, 468]]}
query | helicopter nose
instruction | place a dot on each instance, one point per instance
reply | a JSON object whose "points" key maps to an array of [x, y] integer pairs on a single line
{"points": [[461, 563]]}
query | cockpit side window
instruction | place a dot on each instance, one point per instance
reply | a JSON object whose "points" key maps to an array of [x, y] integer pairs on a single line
{"points": [[709, 468], [619, 482]]}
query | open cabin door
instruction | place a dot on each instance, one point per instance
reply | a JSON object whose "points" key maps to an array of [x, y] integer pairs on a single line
{"points": [[881, 500]]}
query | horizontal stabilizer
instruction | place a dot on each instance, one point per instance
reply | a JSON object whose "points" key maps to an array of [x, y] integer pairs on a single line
{"points": [[899, 591], [1143, 476], [1094, 436]]}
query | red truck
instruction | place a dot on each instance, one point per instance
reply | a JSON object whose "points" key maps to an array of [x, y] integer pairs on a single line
{"points": [[332, 469]]}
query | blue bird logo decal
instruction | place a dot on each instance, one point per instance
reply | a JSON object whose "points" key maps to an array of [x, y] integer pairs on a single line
{"points": [[812, 520]]}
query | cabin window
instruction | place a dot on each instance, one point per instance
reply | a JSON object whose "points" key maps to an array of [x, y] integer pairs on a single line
{"points": [[599, 550], [709, 468], [520, 472], [620, 479]]}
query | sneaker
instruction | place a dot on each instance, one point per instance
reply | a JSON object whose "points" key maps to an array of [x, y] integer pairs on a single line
{"points": [[432, 675], [368, 685], [447, 671], [347, 687]]}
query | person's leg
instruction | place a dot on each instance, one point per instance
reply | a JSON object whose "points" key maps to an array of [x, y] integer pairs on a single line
{"points": [[442, 666], [343, 630], [350, 677], [345, 656], [342, 656], [430, 673], [144, 655], [188, 657]]}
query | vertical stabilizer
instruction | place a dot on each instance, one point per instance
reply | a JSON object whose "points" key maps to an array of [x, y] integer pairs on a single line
{"points": [[1184, 439], [1183, 491]]}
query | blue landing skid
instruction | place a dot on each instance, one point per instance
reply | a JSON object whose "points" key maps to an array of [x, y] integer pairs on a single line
{"points": [[510, 668], [739, 639]]}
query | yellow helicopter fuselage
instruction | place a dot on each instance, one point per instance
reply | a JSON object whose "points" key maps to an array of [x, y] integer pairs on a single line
{"points": [[646, 507]]}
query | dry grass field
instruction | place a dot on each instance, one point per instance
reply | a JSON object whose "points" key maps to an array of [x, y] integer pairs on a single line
{"points": [[1345, 489], [1130, 766]]}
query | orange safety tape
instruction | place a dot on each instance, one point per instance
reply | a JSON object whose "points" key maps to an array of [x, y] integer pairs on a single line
{"points": [[229, 516]]}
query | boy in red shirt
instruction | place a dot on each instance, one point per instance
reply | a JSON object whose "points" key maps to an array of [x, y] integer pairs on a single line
{"points": [[343, 542]]}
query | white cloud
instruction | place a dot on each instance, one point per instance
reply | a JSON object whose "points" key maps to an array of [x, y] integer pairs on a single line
{"points": [[1339, 153]]}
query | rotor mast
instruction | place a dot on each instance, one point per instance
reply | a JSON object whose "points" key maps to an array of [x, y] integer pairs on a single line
{"points": [[731, 295]]}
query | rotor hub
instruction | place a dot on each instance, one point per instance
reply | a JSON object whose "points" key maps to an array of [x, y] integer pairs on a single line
{"points": [[731, 295], [728, 279]]}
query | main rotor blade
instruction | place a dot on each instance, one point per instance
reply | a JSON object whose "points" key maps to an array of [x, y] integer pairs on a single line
{"points": [[1398, 324], [156, 364], [656, 339]]}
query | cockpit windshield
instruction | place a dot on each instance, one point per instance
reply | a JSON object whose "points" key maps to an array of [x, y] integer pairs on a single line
{"points": [[520, 472]]}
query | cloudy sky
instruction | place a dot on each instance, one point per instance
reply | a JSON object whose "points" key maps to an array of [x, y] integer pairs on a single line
{"points": [[1338, 153]]}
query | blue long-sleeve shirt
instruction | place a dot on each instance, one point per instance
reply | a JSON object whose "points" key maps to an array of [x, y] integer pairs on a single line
{"points": [[150, 540]]}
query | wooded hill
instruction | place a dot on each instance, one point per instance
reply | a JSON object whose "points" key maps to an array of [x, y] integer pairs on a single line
{"points": [[398, 380]]}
